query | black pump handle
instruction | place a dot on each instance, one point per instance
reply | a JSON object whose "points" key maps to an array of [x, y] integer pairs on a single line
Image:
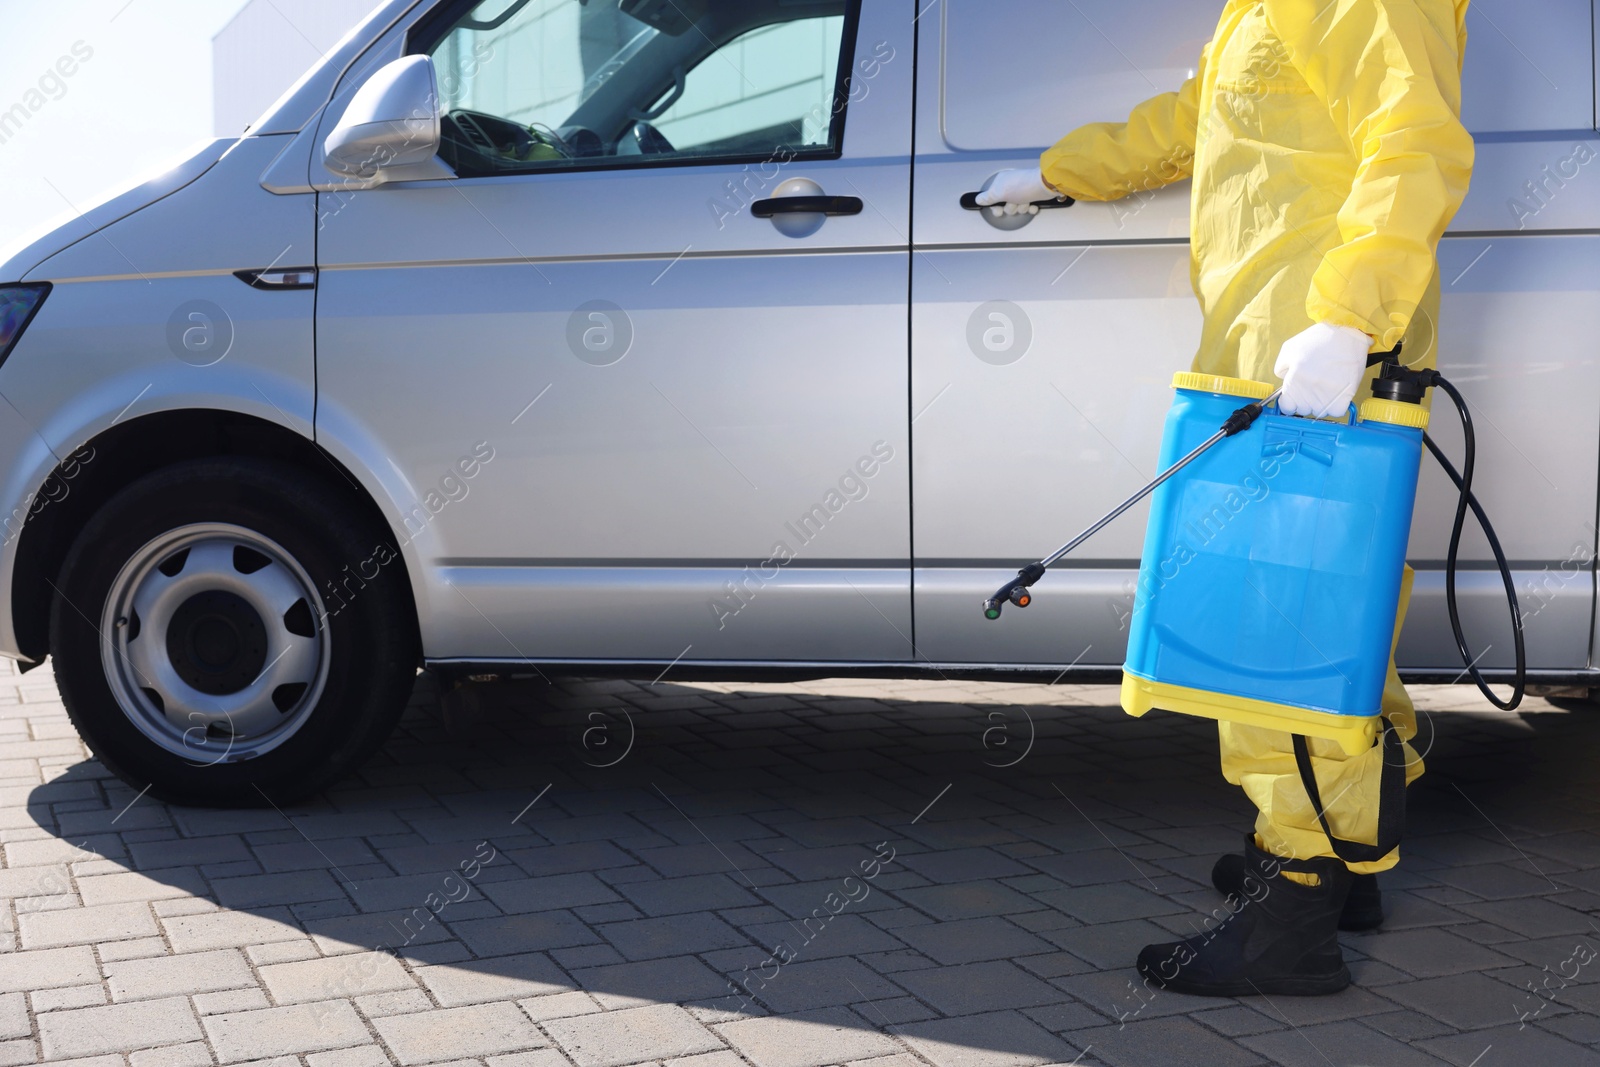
{"points": [[1391, 356]]}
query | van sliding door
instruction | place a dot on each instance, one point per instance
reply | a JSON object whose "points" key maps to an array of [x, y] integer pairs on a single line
{"points": [[1041, 356]]}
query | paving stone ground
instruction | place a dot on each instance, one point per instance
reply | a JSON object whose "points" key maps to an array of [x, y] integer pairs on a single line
{"points": [[902, 874]]}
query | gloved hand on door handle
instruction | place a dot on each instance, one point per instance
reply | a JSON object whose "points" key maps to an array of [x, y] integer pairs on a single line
{"points": [[1321, 368], [1013, 192]]}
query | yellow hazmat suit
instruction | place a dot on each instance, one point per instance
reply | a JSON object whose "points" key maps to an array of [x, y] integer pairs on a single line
{"points": [[1327, 151]]}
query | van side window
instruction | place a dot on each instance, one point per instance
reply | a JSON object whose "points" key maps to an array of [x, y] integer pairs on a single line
{"points": [[529, 85]]}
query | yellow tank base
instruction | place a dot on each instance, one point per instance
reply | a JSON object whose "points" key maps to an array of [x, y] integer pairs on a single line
{"points": [[1354, 733]]}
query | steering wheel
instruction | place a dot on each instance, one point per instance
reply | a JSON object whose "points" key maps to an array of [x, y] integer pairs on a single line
{"points": [[502, 138], [649, 139]]}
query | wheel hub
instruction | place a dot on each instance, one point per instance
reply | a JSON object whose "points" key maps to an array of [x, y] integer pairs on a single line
{"points": [[217, 642], [214, 643]]}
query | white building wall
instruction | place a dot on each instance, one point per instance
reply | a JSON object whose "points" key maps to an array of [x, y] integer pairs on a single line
{"points": [[266, 48]]}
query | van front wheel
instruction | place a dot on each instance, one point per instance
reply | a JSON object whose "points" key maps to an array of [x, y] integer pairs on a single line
{"points": [[230, 632]]}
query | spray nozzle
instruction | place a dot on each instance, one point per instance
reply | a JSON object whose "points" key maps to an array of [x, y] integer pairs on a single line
{"points": [[1015, 591]]}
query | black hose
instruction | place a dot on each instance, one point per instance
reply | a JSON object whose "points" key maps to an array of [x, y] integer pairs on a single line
{"points": [[1464, 483]]}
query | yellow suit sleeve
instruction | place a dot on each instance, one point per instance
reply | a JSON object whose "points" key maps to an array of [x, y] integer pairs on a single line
{"points": [[1390, 78], [1108, 160]]}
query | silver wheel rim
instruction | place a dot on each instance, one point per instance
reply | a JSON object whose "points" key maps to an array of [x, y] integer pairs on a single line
{"points": [[215, 643]]}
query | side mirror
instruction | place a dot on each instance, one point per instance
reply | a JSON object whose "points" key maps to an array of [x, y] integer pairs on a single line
{"points": [[392, 121]]}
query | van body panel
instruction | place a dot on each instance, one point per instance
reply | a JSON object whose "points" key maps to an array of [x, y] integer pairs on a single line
{"points": [[266, 373], [1534, 184], [1529, 67], [658, 614], [227, 221], [152, 323], [21, 261]]}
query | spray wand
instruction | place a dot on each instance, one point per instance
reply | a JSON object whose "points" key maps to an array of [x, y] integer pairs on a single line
{"points": [[1016, 590], [1394, 382]]}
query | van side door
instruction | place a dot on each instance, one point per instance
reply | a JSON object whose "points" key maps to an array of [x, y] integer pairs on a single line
{"points": [[644, 412], [1041, 355]]}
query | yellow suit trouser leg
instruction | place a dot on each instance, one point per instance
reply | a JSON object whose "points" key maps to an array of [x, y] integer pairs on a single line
{"points": [[1262, 762]]}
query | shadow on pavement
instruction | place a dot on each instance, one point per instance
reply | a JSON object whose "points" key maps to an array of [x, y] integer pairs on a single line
{"points": [[817, 873]]}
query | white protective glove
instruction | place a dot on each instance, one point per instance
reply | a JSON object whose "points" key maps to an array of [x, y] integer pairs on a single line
{"points": [[1321, 369], [1013, 192]]}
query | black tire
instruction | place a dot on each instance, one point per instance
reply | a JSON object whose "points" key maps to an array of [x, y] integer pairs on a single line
{"points": [[371, 649]]}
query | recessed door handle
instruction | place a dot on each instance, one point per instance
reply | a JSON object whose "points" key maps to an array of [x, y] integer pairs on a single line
{"points": [[816, 205], [969, 201]]}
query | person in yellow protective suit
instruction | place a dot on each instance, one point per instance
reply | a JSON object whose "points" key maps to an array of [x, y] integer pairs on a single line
{"points": [[1327, 152]]}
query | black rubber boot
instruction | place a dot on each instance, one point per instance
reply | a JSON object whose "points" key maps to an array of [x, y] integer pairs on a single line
{"points": [[1281, 940], [1363, 907]]}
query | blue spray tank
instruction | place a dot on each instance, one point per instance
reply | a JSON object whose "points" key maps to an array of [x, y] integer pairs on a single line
{"points": [[1272, 568]]}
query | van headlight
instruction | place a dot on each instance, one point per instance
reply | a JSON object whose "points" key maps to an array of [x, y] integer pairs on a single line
{"points": [[18, 304]]}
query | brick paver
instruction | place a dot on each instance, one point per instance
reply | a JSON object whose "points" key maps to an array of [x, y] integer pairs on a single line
{"points": [[836, 872]]}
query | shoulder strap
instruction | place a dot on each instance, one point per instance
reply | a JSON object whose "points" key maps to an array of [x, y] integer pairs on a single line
{"points": [[1391, 799]]}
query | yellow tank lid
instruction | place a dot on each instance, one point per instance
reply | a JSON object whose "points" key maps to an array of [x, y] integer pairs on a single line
{"points": [[1217, 383], [1394, 412]]}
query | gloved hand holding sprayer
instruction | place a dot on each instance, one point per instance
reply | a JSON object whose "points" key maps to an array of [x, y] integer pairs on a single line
{"points": [[1325, 145]]}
